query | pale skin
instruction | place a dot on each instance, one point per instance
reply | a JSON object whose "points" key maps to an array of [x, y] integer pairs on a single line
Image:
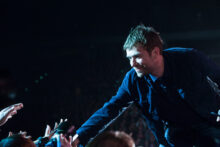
{"points": [[50, 132], [8, 112], [63, 140], [144, 62], [218, 118]]}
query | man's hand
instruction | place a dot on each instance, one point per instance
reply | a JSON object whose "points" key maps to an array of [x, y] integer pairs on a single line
{"points": [[8, 112]]}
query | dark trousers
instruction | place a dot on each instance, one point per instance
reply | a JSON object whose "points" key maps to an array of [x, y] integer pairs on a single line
{"points": [[202, 135]]}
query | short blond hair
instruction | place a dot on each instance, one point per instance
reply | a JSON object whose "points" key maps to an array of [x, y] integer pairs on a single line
{"points": [[148, 37]]}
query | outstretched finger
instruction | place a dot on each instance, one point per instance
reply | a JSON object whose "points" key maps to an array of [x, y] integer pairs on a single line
{"points": [[18, 106], [55, 126], [12, 110], [13, 107], [23, 133], [13, 113], [70, 139], [61, 120], [47, 131], [10, 134]]}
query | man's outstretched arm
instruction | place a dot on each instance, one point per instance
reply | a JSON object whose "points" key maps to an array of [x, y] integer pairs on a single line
{"points": [[107, 114]]}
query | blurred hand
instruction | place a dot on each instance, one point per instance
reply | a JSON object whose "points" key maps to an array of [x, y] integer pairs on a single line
{"points": [[49, 133], [8, 112], [75, 140], [218, 118], [22, 133], [64, 142]]}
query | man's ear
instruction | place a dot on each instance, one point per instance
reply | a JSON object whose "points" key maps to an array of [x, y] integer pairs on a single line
{"points": [[155, 52]]}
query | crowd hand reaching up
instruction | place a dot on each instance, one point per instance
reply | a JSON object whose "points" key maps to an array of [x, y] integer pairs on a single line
{"points": [[75, 141], [22, 133], [8, 112], [64, 142], [49, 133]]}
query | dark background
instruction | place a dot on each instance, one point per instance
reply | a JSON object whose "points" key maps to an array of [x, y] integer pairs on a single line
{"points": [[66, 57]]}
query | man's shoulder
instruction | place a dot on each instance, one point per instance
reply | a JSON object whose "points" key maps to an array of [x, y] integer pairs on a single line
{"points": [[179, 53], [178, 50]]}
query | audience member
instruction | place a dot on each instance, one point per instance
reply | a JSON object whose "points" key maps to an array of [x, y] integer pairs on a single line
{"points": [[17, 140], [8, 112], [112, 139]]}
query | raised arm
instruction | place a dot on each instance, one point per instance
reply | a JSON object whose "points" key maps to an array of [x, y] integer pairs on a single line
{"points": [[8, 112]]}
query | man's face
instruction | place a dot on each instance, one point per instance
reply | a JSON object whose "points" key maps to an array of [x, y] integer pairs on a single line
{"points": [[140, 60]]}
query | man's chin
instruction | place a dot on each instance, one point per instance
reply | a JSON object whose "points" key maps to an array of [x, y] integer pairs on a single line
{"points": [[139, 74]]}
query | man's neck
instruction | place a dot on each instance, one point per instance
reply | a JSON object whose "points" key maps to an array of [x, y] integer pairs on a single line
{"points": [[159, 67]]}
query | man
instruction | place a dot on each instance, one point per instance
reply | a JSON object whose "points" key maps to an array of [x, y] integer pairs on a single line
{"points": [[175, 88]]}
